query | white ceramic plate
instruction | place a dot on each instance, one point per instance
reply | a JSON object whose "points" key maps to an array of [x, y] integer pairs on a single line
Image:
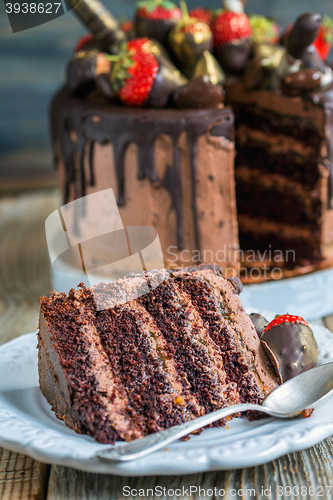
{"points": [[28, 425]]}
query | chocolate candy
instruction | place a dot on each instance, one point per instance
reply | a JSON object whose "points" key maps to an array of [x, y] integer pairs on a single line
{"points": [[199, 93], [304, 80], [234, 56], [303, 33], [259, 322], [208, 65], [99, 21], [291, 348]]}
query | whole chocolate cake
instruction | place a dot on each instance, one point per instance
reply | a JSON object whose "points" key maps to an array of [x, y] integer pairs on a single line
{"points": [[119, 362], [146, 117]]}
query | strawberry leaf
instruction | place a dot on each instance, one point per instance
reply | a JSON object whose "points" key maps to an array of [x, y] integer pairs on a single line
{"points": [[119, 71], [167, 4], [327, 29]]}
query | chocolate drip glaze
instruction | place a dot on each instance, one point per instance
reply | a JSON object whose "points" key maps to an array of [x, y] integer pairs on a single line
{"points": [[78, 124]]}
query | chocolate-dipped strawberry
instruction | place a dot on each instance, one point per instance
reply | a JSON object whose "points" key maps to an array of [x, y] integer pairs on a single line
{"points": [[198, 94], [208, 66], [83, 69], [188, 40], [99, 21], [232, 40], [143, 76], [303, 33], [296, 41], [259, 322], [289, 343], [155, 18]]}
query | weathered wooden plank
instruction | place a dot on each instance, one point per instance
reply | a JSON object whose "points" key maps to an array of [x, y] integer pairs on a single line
{"points": [[24, 277], [24, 260], [328, 322], [21, 477], [282, 478]]}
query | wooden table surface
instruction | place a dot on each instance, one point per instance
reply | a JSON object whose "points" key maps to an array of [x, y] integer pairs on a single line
{"points": [[24, 276]]}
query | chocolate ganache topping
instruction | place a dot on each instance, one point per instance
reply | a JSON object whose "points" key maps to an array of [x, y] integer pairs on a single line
{"points": [[78, 124]]}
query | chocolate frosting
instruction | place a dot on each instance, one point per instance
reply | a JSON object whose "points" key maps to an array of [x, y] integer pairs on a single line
{"points": [[91, 122], [303, 81], [291, 348]]}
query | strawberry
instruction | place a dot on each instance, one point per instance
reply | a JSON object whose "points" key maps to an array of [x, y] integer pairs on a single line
{"points": [[135, 71], [323, 42], [202, 14], [157, 9], [264, 30], [83, 41], [127, 26], [285, 318], [230, 26], [155, 18]]}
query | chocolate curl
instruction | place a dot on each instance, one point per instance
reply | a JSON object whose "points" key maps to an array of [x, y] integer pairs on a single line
{"points": [[303, 33], [100, 21]]}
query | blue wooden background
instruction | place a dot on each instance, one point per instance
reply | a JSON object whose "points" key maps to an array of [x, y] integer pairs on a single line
{"points": [[32, 68]]}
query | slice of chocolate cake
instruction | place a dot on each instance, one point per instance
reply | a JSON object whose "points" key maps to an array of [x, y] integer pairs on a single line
{"points": [[115, 368]]}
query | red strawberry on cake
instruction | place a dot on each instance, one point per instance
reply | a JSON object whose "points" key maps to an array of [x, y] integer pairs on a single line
{"points": [[155, 18], [141, 77], [323, 42], [290, 345], [202, 14], [232, 40]]}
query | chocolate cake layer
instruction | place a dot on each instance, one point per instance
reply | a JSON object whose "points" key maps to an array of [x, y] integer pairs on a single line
{"points": [[281, 199], [284, 171], [183, 349], [296, 245]]}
